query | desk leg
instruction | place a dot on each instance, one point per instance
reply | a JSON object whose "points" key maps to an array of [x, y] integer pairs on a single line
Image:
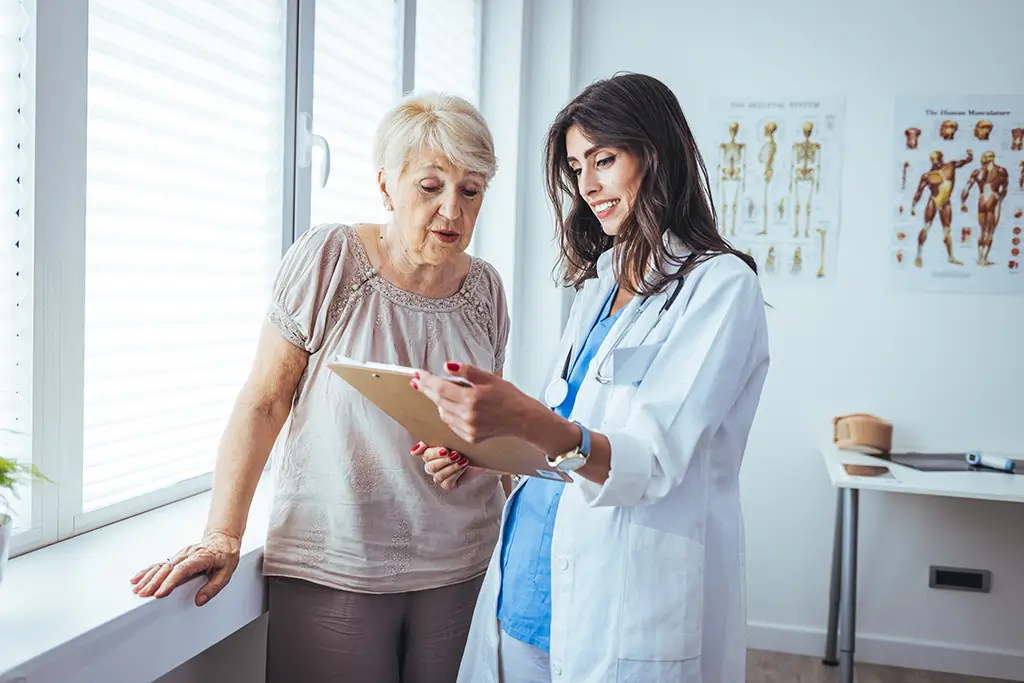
{"points": [[832, 635], [848, 596]]}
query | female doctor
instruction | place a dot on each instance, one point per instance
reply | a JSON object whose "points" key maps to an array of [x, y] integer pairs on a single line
{"points": [[634, 571]]}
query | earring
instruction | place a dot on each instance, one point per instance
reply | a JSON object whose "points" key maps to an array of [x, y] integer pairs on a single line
{"points": [[388, 206]]}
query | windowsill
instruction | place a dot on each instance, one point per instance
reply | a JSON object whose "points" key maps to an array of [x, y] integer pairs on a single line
{"points": [[67, 611]]}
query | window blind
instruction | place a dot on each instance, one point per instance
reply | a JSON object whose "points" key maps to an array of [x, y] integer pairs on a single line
{"points": [[355, 81], [15, 247], [447, 47], [184, 210]]}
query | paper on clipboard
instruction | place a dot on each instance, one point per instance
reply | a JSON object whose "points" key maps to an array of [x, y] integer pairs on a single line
{"points": [[387, 387]]}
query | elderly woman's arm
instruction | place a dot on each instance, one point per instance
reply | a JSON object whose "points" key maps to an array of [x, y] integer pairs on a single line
{"points": [[260, 411]]}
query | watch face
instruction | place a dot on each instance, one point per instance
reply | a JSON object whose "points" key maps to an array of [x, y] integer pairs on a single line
{"points": [[571, 463]]}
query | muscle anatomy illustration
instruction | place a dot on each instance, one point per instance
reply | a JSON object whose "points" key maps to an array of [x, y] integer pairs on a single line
{"points": [[732, 174], [767, 157], [1017, 139], [906, 165], [939, 180], [982, 129], [804, 177], [947, 131], [993, 182], [912, 135]]}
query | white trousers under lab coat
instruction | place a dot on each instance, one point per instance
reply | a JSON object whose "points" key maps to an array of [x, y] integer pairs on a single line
{"points": [[521, 662]]}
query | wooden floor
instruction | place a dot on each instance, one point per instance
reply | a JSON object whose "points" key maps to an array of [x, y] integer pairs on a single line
{"points": [[773, 667]]}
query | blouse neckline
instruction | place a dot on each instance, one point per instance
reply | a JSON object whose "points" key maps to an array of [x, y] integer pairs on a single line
{"points": [[404, 297]]}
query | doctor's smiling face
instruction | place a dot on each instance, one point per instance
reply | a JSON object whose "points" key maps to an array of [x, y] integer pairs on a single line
{"points": [[608, 178]]}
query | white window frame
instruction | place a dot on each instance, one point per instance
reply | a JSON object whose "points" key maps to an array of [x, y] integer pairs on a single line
{"points": [[59, 37], [60, 34]]}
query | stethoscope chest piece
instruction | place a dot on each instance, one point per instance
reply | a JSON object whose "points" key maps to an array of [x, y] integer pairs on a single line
{"points": [[556, 393]]}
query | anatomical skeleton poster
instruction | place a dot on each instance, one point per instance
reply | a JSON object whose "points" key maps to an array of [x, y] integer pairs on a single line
{"points": [[958, 194], [776, 181]]}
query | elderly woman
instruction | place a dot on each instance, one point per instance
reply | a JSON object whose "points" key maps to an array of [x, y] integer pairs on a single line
{"points": [[374, 568]]}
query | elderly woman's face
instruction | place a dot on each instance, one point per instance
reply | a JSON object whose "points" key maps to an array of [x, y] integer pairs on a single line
{"points": [[436, 205]]}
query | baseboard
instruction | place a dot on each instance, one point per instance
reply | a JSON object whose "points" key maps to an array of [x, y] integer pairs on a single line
{"points": [[889, 651]]}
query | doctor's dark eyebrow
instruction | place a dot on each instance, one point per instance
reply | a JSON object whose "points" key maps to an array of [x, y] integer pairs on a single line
{"points": [[585, 154]]}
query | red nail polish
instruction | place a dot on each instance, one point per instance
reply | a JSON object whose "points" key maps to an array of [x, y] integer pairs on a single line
{"points": [[416, 375], [443, 451], [464, 461], [415, 384], [452, 367], [453, 457]]}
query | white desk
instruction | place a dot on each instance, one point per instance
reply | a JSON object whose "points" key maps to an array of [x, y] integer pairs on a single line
{"points": [[979, 485]]}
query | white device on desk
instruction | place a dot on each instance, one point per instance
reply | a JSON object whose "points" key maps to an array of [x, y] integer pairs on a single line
{"points": [[991, 461]]}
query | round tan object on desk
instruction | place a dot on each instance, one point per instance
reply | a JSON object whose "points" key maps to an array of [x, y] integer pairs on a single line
{"points": [[865, 470], [862, 432]]}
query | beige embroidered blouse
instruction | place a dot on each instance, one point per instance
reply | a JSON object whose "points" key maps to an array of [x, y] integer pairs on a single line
{"points": [[352, 508]]}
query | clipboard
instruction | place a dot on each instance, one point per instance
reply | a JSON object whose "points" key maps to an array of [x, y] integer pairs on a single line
{"points": [[387, 387]]}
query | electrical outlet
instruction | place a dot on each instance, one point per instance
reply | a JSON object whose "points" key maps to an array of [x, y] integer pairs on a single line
{"points": [[960, 579]]}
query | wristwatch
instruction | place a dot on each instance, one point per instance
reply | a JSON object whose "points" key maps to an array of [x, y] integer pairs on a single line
{"points": [[570, 461]]}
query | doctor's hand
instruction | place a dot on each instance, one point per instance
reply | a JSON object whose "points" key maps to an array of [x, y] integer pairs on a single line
{"points": [[490, 407], [447, 468]]}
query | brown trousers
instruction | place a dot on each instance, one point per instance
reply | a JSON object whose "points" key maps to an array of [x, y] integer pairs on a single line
{"points": [[322, 635]]}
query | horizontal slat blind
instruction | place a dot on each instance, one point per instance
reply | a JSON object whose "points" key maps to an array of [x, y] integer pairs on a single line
{"points": [[355, 81], [15, 249], [183, 229], [447, 41]]}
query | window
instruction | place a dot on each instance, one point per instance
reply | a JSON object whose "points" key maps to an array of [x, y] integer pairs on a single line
{"points": [[448, 47], [165, 174], [16, 244], [355, 80], [185, 158], [358, 74]]}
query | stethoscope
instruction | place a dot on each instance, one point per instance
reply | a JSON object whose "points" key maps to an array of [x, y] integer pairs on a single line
{"points": [[558, 390]]}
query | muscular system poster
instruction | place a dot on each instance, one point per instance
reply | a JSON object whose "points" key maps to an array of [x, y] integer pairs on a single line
{"points": [[958, 188], [775, 178]]}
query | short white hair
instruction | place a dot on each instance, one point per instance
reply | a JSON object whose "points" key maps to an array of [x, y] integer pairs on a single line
{"points": [[435, 123]]}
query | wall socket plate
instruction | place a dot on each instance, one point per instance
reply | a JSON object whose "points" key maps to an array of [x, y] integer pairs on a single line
{"points": [[960, 579]]}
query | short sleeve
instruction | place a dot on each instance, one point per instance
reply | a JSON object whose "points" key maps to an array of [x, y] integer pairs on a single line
{"points": [[501, 321], [308, 280]]}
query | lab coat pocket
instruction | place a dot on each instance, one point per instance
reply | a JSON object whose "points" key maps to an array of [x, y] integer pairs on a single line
{"points": [[630, 364], [663, 596]]}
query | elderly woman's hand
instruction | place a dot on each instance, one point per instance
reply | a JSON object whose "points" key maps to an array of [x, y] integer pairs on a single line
{"points": [[216, 555], [446, 467], [489, 407]]}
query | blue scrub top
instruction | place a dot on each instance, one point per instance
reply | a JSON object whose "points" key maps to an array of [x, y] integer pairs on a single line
{"points": [[524, 603]]}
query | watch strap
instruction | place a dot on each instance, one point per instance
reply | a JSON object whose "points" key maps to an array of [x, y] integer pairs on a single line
{"points": [[584, 439]]}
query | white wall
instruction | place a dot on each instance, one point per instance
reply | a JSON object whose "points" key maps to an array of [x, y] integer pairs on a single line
{"points": [[855, 345]]}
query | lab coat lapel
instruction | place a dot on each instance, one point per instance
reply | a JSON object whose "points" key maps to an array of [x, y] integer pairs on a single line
{"points": [[591, 390]]}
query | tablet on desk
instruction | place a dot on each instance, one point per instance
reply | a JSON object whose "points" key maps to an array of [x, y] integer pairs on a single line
{"points": [[388, 388]]}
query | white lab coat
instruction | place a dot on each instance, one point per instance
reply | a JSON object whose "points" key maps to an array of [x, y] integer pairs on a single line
{"points": [[648, 578]]}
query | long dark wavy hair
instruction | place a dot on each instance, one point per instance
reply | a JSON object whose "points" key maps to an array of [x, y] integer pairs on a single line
{"points": [[641, 115]]}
